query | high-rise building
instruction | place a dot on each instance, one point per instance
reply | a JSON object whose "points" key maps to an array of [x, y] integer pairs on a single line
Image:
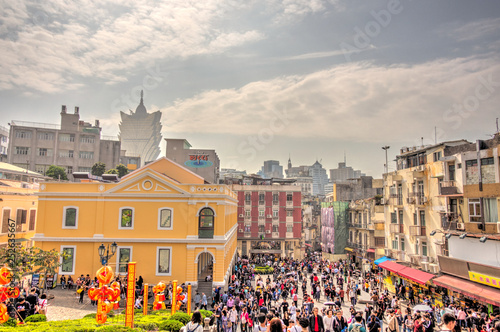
{"points": [[75, 145], [344, 173], [140, 133], [272, 169], [320, 178]]}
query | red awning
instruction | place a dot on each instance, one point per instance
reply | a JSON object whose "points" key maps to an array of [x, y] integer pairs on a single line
{"points": [[307, 244], [416, 275], [391, 266], [370, 250], [470, 289]]}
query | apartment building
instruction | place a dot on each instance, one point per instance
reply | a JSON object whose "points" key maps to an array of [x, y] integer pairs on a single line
{"points": [[269, 218], [74, 144]]}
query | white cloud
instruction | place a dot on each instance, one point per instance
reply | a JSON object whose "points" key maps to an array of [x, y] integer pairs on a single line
{"points": [[47, 48], [473, 30], [346, 102]]}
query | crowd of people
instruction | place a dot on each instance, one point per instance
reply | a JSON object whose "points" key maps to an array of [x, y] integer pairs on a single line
{"points": [[311, 295]]}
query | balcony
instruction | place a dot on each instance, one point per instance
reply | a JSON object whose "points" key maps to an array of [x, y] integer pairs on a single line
{"points": [[289, 235], [449, 221], [248, 234], [417, 231], [276, 202], [401, 256], [276, 235], [396, 228], [289, 203], [448, 188]]}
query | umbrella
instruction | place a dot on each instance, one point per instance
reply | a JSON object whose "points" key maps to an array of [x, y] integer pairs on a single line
{"points": [[422, 307], [329, 303]]}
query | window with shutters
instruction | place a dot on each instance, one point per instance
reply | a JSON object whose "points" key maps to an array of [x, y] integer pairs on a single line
{"points": [[31, 226], [5, 220], [70, 217], [21, 219]]}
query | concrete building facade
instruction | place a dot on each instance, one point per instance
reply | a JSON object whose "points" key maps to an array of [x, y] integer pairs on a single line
{"points": [[203, 162], [75, 145]]}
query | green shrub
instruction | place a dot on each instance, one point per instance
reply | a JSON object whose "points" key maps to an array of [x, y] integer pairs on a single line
{"points": [[36, 318], [90, 316], [206, 313], [116, 328], [171, 325], [263, 270], [148, 326], [10, 322], [181, 317]]}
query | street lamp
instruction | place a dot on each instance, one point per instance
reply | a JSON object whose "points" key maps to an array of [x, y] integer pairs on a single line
{"points": [[386, 161], [104, 253]]}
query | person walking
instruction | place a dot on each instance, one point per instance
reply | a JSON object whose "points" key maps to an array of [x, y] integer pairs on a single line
{"points": [[316, 321], [204, 301]]}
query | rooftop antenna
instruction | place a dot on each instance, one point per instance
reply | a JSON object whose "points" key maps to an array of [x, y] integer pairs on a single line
{"points": [[422, 141]]}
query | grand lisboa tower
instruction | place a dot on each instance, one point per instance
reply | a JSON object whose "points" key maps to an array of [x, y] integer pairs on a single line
{"points": [[140, 133]]}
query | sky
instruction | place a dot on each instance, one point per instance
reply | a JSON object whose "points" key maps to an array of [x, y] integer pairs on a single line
{"points": [[259, 80]]}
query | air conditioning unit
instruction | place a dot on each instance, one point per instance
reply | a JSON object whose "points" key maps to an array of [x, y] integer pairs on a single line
{"points": [[269, 215], [241, 215], [240, 230], [388, 252], [268, 232], [382, 202], [460, 226]]}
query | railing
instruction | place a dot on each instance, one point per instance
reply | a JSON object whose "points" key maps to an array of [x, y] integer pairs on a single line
{"points": [[417, 231], [35, 125], [449, 221], [396, 228], [448, 188]]}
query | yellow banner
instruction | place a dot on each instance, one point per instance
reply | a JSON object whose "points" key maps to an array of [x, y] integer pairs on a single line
{"points": [[129, 310], [389, 285], [348, 249], [484, 279], [145, 301]]}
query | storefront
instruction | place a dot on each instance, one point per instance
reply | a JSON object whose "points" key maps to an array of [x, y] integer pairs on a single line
{"points": [[409, 277], [468, 293]]}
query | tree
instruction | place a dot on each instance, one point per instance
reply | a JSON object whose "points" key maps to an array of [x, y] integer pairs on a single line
{"points": [[122, 170], [24, 260], [112, 171], [56, 172], [98, 169]]}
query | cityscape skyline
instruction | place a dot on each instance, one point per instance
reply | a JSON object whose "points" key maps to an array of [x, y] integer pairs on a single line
{"points": [[262, 80]]}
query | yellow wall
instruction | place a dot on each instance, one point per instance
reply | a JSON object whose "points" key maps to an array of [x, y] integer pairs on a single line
{"points": [[17, 198], [145, 191]]}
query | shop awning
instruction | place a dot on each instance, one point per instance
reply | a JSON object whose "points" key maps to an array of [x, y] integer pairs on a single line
{"points": [[308, 245], [392, 266], [382, 259], [370, 250], [416, 275], [470, 289], [348, 249]]}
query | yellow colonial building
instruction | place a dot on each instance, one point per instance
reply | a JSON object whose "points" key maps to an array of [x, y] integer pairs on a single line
{"points": [[18, 202], [162, 216]]}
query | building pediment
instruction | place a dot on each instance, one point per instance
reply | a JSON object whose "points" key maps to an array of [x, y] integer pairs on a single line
{"points": [[148, 182]]}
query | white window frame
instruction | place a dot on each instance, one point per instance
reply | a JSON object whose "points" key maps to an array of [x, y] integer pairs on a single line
{"points": [[64, 217], [158, 262], [276, 213], [117, 269], [262, 213], [171, 218], [475, 202], [120, 218], [248, 213], [61, 260]]}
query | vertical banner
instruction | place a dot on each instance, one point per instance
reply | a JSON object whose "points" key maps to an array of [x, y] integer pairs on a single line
{"points": [[129, 311], [145, 300], [174, 296], [189, 300]]}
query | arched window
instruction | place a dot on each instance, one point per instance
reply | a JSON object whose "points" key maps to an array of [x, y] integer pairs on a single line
{"points": [[206, 224]]}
